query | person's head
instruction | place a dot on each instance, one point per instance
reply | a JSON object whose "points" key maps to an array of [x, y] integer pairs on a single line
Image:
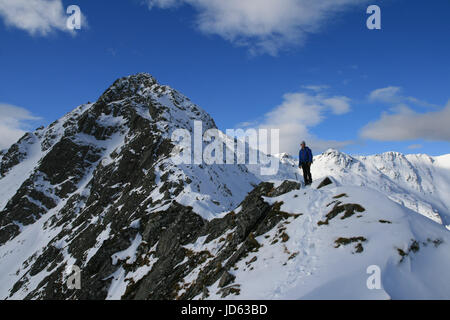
{"points": [[303, 144]]}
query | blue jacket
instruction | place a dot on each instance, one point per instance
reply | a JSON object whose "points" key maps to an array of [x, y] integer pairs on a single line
{"points": [[305, 156]]}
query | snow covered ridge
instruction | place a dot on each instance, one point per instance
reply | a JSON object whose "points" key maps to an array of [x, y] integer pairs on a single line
{"points": [[327, 241], [99, 189], [418, 182]]}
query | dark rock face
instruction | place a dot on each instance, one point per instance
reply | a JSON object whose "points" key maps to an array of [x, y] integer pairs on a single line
{"points": [[166, 236], [235, 232], [327, 181], [16, 153], [285, 187], [226, 279], [349, 209]]}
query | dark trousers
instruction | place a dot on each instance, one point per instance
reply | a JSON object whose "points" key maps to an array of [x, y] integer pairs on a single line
{"points": [[307, 173]]}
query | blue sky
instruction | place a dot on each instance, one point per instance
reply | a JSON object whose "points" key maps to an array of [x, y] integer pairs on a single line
{"points": [[317, 73]]}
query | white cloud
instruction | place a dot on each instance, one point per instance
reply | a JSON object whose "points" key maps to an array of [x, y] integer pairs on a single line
{"points": [[262, 25], [339, 105], [13, 122], [297, 114], [38, 17], [387, 95], [407, 124], [393, 95]]}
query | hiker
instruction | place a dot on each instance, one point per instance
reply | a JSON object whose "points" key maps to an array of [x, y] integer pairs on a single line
{"points": [[305, 160]]}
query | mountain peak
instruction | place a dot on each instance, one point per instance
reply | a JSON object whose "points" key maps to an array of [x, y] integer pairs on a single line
{"points": [[334, 153], [140, 95], [283, 155], [391, 155], [138, 79], [128, 86]]}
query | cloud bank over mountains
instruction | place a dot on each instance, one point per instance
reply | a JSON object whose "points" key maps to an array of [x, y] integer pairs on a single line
{"points": [[407, 124], [297, 114]]}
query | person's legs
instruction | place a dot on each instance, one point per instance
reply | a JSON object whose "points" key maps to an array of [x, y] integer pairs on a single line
{"points": [[305, 173], [309, 174]]}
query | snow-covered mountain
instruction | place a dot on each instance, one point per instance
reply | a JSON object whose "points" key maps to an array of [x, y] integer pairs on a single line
{"points": [[99, 189], [417, 181]]}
